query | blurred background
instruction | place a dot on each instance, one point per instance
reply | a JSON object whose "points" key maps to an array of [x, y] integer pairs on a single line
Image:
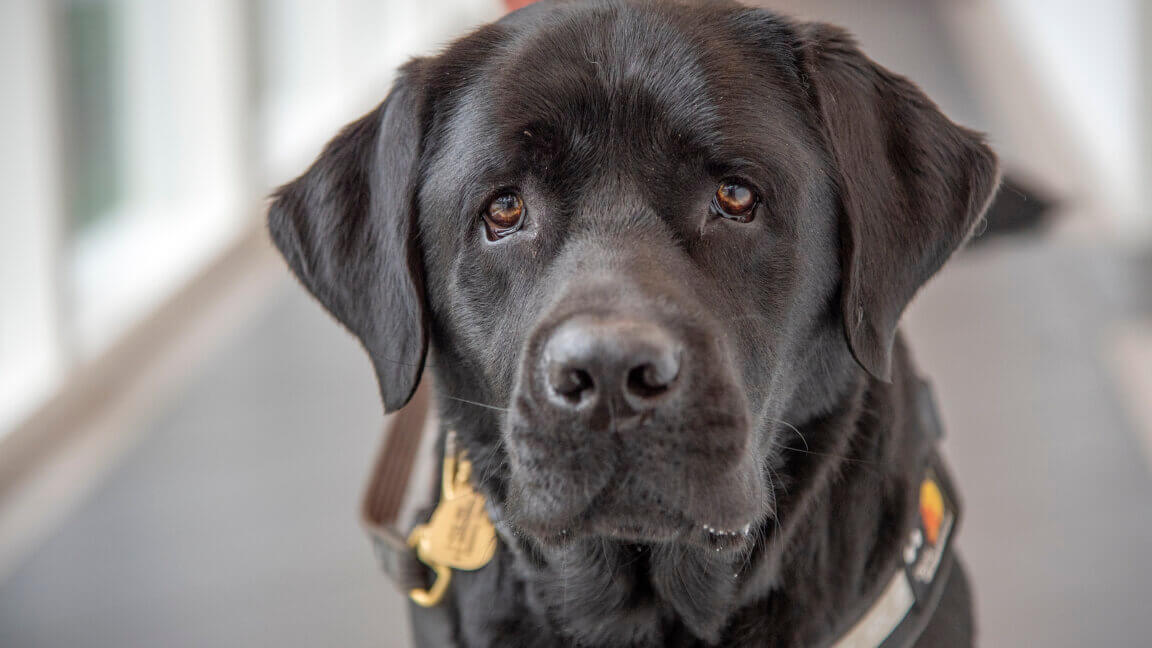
{"points": [[184, 434]]}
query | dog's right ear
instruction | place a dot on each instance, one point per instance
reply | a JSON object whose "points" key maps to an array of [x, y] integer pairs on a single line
{"points": [[347, 229]]}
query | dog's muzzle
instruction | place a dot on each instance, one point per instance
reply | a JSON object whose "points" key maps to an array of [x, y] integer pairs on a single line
{"points": [[630, 423]]}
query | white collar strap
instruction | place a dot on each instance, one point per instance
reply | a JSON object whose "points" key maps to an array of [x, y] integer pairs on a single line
{"points": [[899, 614]]}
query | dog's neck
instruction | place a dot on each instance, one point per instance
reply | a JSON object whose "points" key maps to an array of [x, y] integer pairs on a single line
{"points": [[819, 557]]}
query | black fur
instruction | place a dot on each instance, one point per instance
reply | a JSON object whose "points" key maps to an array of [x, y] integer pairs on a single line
{"points": [[616, 121]]}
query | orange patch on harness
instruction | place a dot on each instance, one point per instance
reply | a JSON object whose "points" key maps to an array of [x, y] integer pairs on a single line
{"points": [[931, 509]]}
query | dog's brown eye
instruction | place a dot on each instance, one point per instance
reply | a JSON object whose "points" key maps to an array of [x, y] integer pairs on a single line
{"points": [[736, 201], [504, 215]]}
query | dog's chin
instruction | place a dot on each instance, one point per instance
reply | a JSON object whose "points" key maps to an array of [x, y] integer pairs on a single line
{"points": [[617, 519], [656, 530]]}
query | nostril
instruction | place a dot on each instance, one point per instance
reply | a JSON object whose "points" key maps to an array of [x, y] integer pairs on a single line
{"points": [[572, 384], [643, 382], [652, 379]]}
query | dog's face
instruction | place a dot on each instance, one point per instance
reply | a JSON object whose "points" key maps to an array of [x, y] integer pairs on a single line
{"points": [[633, 244], [640, 240]]}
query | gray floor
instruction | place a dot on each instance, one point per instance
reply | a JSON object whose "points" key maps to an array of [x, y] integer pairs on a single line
{"points": [[1059, 521], [233, 523]]}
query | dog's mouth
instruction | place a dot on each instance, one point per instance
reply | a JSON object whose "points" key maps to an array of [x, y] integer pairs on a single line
{"points": [[638, 516], [671, 528]]}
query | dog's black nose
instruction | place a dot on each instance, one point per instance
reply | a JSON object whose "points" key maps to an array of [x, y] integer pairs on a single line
{"points": [[589, 358]]}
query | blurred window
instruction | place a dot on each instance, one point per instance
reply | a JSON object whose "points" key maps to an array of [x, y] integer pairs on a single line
{"points": [[154, 110], [141, 136], [130, 170], [92, 90]]}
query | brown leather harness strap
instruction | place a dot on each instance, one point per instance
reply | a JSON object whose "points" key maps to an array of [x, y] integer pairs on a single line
{"points": [[389, 505], [402, 486]]}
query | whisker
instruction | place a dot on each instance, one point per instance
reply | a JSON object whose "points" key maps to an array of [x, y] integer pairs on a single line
{"points": [[834, 456], [778, 483], [493, 467], [793, 428], [786, 424], [478, 404]]}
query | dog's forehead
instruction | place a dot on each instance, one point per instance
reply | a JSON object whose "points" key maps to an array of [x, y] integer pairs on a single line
{"points": [[587, 68], [636, 77], [653, 95]]}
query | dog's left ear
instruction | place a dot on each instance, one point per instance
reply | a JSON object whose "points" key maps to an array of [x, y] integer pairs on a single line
{"points": [[347, 229], [911, 183]]}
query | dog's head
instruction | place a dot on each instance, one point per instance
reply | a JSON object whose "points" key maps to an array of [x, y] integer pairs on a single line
{"points": [[635, 240]]}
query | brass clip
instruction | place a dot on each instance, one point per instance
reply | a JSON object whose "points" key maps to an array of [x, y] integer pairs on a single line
{"points": [[459, 535]]}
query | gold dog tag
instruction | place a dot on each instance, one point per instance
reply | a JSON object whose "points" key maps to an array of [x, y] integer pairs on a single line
{"points": [[459, 535]]}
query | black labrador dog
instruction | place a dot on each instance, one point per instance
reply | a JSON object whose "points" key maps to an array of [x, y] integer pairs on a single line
{"points": [[655, 255]]}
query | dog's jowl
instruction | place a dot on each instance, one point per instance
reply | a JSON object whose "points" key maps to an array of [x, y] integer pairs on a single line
{"points": [[653, 258]]}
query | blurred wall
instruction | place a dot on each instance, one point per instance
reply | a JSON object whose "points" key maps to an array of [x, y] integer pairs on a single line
{"points": [[30, 207], [1088, 57]]}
